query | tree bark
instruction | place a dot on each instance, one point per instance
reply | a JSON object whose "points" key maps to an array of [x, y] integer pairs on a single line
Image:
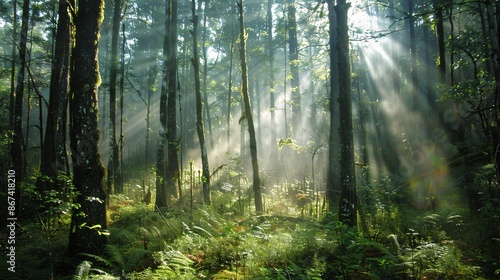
{"points": [[172, 175], [333, 175], [199, 110], [114, 175], [348, 202], [17, 148], [13, 68], [205, 74], [161, 191], [89, 220], [438, 6], [413, 58], [248, 113], [50, 165], [293, 61], [272, 82]]}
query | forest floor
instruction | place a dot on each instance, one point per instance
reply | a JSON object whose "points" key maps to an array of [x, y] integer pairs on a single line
{"points": [[222, 242]]}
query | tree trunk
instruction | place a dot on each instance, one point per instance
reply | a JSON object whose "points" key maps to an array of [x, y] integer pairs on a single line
{"points": [[272, 82], [172, 175], [17, 150], [152, 73], [229, 96], [438, 6], [205, 74], [13, 67], [333, 175], [58, 90], [89, 220], [348, 202], [114, 161], [161, 191], [119, 186], [199, 110], [248, 112], [294, 71], [413, 59]]}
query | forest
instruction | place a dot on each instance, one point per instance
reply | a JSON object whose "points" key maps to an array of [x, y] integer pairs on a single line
{"points": [[250, 139]]}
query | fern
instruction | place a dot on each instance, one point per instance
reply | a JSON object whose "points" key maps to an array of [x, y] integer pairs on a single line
{"points": [[174, 261], [115, 256], [82, 271], [98, 258], [202, 230]]}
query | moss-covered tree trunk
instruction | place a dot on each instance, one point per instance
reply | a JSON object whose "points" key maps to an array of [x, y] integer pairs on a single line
{"points": [[89, 220], [248, 113]]}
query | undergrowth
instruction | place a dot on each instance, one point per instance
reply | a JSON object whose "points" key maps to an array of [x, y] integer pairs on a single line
{"points": [[215, 242], [209, 244]]}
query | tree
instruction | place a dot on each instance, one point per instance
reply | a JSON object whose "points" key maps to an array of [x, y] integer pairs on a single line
{"points": [[333, 174], [12, 96], [17, 148], [272, 82], [172, 174], [89, 220], [161, 191], [348, 198], [200, 129], [294, 70], [114, 176], [248, 112], [55, 134]]}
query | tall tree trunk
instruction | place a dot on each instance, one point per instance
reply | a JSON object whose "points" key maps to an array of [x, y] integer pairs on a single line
{"points": [[438, 6], [161, 191], [348, 198], [172, 174], [205, 74], [413, 60], [13, 67], [199, 110], [272, 82], [58, 90], [333, 175], [248, 112], [119, 187], [294, 71], [152, 73], [89, 220], [17, 148], [229, 96], [114, 161], [493, 9]]}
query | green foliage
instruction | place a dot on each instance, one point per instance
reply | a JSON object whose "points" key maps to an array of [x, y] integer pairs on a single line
{"points": [[85, 271], [220, 242], [173, 263], [435, 261]]}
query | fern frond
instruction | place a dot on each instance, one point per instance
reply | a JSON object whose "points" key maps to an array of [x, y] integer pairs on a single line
{"points": [[202, 230], [115, 255], [174, 260], [82, 271], [98, 258]]}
